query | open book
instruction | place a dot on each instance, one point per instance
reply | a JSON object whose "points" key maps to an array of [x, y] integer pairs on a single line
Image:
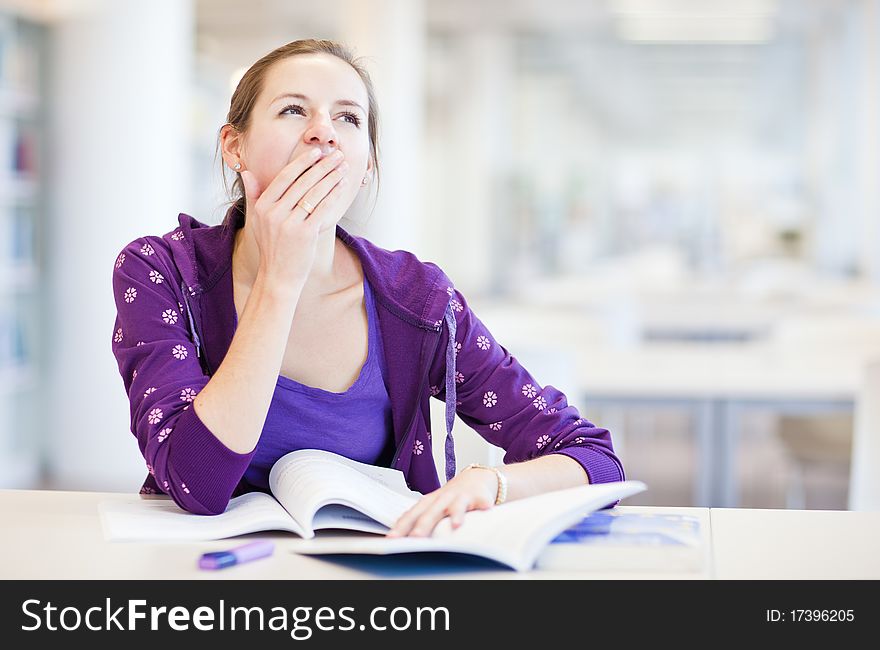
{"points": [[311, 489], [513, 533], [316, 489]]}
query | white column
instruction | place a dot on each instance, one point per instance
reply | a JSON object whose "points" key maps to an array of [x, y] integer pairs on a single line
{"points": [[469, 221], [118, 169], [390, 36], [868, 156], [842, 140], [478, 231]]}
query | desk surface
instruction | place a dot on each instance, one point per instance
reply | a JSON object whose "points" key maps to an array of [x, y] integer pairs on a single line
{"points": [[55, 534], [795, 544]]}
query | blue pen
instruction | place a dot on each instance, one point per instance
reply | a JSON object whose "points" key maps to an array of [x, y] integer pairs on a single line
{"points": [[237, 555]]}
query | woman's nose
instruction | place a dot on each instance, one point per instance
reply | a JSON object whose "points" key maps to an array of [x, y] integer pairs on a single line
{"points": [[320, 132]]}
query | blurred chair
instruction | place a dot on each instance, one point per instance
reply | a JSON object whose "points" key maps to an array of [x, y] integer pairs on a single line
{"points": [[864, 484], [831, 443], [815, 445]]}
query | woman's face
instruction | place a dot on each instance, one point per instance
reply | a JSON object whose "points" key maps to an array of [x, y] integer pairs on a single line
{"points": [[307, 100]]}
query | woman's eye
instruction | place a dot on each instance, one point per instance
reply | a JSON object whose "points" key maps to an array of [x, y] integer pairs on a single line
{"points": [[350, 117]]}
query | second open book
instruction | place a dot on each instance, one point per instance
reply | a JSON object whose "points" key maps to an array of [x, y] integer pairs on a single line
{"points": [[314, 489]]}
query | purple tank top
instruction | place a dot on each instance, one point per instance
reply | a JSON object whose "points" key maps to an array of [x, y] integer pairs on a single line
{"points": [[356, 423]]}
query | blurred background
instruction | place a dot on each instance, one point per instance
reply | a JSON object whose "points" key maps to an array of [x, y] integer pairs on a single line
{"points": [[669, 209]]}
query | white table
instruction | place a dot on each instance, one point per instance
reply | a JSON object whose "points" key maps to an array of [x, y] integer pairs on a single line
{"points": [[795, 544], [55, 534]]}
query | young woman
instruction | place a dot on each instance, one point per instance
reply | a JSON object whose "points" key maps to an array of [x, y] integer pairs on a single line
{"points": [[278, 330]]}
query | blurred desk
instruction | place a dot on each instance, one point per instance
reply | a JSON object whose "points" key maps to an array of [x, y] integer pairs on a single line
{"points": [[717, 383], [797, 368], [742, 371], [57, 535]]}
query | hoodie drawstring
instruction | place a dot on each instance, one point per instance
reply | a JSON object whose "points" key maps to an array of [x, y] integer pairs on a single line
{"points": [[450, 392], [192, 325]]}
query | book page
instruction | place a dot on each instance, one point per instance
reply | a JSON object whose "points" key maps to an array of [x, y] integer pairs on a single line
{"points": [[517, 530], [162, 519], [513, 533], [306, 480], [338, 516]]}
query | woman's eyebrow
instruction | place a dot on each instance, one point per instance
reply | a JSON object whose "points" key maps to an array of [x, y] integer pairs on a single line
{"points": [[341, 102]]}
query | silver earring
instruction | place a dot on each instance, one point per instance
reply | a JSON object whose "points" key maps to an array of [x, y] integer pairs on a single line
{"points": [[237, 166], [364, 180]]}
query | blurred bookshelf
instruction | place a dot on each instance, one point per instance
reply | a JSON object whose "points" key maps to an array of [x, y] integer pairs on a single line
{"points": [[22, 209]]}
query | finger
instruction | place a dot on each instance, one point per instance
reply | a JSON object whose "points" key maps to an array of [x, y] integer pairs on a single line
{"points": [[482, 503], [405, 523], [299, 213], [403, 526], [289, 173], [317, 193], [313, 185], [457, 510], [297, 187], [325, 213], [425, 524], [251, 187]]}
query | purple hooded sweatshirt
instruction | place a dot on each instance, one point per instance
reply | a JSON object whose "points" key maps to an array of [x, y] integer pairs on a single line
{"points": [[174, 304]]}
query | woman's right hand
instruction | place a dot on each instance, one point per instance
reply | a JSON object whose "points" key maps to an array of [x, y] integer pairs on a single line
{"points": [[284, 232]]}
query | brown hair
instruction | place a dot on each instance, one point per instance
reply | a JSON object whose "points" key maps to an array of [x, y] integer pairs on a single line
{"points": [[251, 84]]}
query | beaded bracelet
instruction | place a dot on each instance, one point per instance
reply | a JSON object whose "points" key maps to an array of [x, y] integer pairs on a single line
{"points": [[501, 494]]}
